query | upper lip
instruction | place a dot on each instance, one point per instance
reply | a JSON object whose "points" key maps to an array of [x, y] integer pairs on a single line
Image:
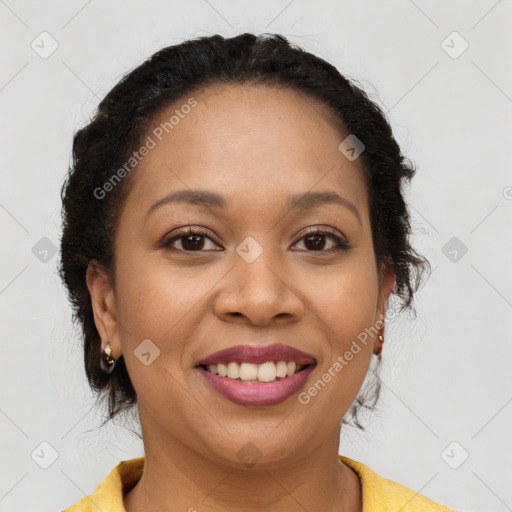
{"points": [[258, 354]]}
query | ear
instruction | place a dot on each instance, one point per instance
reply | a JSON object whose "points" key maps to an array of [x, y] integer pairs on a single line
{"points": [[386, 284], [103, 302]]}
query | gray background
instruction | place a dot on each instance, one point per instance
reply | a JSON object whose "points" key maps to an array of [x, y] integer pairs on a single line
{"points": [[446, 379]]}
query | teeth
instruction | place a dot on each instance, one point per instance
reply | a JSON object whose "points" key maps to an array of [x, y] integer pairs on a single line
{"points": [[233, 370], [248, 371], [281, 369], [265, 372], [212, 368]]}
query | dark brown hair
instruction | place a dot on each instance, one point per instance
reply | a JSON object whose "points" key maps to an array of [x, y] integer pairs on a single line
{"points": [[121, 123]]}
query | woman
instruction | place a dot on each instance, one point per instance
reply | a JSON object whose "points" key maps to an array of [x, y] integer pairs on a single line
{"points": [[233, 228]]}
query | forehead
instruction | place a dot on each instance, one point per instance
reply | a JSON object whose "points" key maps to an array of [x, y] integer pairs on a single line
{"points": [[246, 138]]}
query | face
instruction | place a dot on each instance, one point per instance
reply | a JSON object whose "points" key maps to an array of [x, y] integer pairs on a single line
{"points": [[256, 268]]}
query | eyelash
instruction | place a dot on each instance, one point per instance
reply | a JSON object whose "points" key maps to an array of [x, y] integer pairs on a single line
{"points": [[340, 244]]}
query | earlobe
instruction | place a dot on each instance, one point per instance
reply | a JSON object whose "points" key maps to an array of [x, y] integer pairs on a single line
{"points": [[104, 306]]}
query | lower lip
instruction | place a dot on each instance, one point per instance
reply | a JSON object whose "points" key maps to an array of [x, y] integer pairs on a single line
{"points": [[266, 393]]}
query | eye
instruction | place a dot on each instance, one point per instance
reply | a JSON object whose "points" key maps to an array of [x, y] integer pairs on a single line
{"points": [[194, 240], [314, 240], [190, 240]]}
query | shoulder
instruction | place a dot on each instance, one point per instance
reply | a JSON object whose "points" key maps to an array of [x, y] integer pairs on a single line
{"points": [[108, 496], [386, 495]]}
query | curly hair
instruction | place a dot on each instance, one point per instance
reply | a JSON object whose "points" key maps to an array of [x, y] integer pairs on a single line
{"points": [[121, 122]]}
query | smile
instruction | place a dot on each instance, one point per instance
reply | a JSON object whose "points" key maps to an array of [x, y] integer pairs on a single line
{"points": [[254, 392], [255, 373]]}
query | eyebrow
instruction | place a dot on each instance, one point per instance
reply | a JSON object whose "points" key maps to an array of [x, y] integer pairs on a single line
{"points": [[206, 199]]}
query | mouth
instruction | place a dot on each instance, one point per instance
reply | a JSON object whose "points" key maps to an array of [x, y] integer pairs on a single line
{"points": [[257, 375], [251, 373], [258, 354]]}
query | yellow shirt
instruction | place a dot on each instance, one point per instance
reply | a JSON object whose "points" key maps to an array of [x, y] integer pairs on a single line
{"points": [[379, 494]]}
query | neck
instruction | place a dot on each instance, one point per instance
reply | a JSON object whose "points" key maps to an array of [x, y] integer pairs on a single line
{"points": [[178, 478]]}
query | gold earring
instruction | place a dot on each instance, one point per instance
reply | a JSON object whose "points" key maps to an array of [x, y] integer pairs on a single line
{"points": [[381, 339], [107, 362]]}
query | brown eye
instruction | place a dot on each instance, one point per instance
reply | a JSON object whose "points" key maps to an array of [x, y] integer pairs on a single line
{"points": [[192, 242], [189, 241], [315, 240]]}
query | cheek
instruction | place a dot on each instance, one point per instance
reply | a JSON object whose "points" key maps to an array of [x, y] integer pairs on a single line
{"points": [[153, 304], [345, 360], [161, 303], [347, 297], [346, 304], [151, 297], [164, 306]]}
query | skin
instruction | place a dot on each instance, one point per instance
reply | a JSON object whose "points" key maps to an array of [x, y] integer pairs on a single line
{"points": [[254, 145]]}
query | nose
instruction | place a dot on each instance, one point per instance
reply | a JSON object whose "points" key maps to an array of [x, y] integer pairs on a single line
{"points": [[259, 293]]}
